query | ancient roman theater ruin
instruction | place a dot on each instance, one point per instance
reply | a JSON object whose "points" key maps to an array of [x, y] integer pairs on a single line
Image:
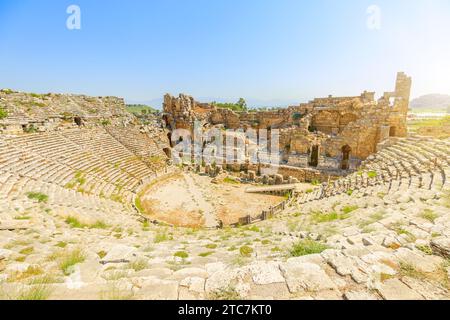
{"points": [[97, 203]]}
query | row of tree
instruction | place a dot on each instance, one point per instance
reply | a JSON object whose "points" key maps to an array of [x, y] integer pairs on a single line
{"points": [[241, 105]]}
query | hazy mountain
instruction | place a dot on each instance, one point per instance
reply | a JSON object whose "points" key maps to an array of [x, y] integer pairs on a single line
{"points": [[431, 102], [252, 103]]}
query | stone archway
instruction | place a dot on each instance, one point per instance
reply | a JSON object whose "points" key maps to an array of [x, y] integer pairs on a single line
{"points": [[346, 151], [78, 121], [166, 120], [392, 132], [169, 136], [168, 152], [314, 156]]}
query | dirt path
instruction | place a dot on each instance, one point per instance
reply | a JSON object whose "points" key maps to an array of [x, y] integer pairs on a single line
{"points": [[197, 193], [191, 200]]}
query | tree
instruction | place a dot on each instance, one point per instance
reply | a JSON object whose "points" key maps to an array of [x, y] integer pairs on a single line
{"points": [[242, 104]]}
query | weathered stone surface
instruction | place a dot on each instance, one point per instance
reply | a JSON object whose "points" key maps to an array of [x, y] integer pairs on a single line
{"points": [[220, 280], [394, 289], [425, 264], [441, 246], [426, 289], [359, 295], [195, 284], [119, 253], [306, 276], [266, 273], [155, 289], [5, 253], [189, 272], [17, 267]]}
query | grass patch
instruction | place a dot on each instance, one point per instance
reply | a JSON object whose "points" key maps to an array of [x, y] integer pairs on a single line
{"points": [[46, 279], [400, 231], [211, 246], [425, 249], [252, 228], [372, 174], [138, 205], [35, 292], [228, 293], [429, 215], [116, 293], [102, 254], [349, 209], [230, 181], [61, 244], [206, 254], [99, 225], [408, 270], [22, 218], [161, 237], [246, 251], [69, 260], [3, 113], [30, 272], [181, 254], [138, 265], [319, 217], [307, 247], [76, 224], [40, 197], [27, 251]]}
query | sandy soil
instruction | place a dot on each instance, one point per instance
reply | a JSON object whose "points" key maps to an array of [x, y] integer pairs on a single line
{"points": [[190, 200]]}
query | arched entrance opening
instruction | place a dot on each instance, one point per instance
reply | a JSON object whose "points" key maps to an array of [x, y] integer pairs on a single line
{"points": [[166, 120], [345, 163], [168, 152], [392, 131], [169, 136], [314, 156], [78, 121]]}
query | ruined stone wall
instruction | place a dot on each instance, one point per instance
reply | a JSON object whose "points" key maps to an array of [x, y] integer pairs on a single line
{"points": [[356, 123]]}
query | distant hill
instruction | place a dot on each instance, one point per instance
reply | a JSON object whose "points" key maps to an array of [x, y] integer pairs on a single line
{"points": [[438, 102], [138, 108], [251, 102]]}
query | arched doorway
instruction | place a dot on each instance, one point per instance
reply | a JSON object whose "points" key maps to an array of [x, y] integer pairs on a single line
{"points": [[168, 152], [78, 121], [345, 163], [314, 156], [169, 136], [166, 120], [392, 131]]}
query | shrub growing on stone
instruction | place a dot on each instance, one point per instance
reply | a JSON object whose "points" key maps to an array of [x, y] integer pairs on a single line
{"points": [[307, 247], [3, 113], [181, 254], [71, 259], [246, 251], [40, 197]]}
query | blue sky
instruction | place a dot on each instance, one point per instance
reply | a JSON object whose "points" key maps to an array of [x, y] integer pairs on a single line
{"points": [[271, 50]]}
